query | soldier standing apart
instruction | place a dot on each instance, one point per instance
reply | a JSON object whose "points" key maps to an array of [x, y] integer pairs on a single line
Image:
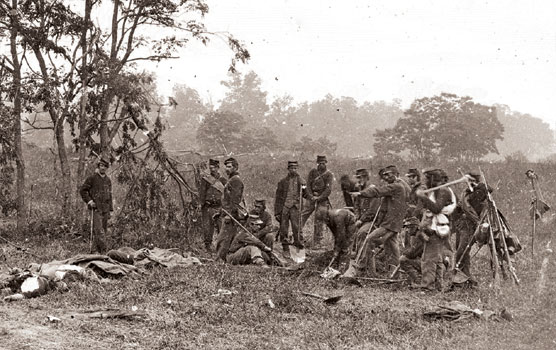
{"points": [[231, 203], [435, 224], [210, 196], [394, 201], [96, 191], [319, 187], [286, 207]]}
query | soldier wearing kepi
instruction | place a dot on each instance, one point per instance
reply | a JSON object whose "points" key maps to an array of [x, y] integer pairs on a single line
{"points": [[265, 230], [471, 206], [319, 187], [413, 211], [410, 261], [231, 206], [286, 207], [365, 211], [210, 196], [435, 224], [96, 191], [246, 248], [394, 197]]}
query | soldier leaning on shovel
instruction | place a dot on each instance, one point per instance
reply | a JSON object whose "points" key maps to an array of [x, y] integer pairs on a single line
{"points": [[287, 208], [96, 191], [319, 187], [210, 196]]}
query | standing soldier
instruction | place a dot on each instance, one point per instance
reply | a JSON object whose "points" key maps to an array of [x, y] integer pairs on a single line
{"points": [[210, 196], [319, 187], [286, 207], [413, 211], [395, 204], [96, 191], [471, 206], [231, 206], [435, 224]]}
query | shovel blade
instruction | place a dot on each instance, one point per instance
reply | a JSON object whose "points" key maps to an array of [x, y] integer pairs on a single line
{"points": [[459, 277], [297, 254], [332, 300]]}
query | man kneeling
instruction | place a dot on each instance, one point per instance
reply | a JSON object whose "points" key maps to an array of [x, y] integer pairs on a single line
{"points": [[247, 249]]}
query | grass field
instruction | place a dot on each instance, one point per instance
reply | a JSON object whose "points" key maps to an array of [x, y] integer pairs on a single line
{"points": [[183, 310]]}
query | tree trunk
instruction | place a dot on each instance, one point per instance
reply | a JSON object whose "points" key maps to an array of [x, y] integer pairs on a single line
{"points": [[83, 134], [20, 163], [65, 169]]}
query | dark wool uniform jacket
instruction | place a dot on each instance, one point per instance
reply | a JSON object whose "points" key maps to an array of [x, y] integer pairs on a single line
{"points": [[341, 222], [366, 208], [243, 239], [232, 196], [98, 189], [266, 227], [319, 185], [394, 202], [282, 193], [209, 195], [415, 249]]}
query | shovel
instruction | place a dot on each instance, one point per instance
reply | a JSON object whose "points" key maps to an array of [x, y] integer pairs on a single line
{"points": [[297, 254], [328, 301]]}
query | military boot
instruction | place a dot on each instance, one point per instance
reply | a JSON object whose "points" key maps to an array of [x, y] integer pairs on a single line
{"points": [[286, 250]]}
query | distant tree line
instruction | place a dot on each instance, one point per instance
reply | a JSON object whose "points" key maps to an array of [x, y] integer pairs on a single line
{"points": [[446, 126]]}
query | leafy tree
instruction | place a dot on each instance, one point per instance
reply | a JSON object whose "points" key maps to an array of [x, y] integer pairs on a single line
{"points": [[524, 134], [184, 118], [445, 126], [347, 123], [245, 97], [225, 132], [86, 74], [310, 148]]}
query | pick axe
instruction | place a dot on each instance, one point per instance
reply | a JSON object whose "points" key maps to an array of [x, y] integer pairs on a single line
{"points": [[464, 178]]}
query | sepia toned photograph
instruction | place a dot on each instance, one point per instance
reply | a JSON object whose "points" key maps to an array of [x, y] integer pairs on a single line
{"points": [[279, 174]]}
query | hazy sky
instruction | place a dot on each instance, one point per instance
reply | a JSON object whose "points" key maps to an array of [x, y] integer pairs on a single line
{"points": [[495, 51]]}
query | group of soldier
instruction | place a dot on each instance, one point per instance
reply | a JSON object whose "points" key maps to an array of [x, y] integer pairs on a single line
{"points": [[405, 221]]}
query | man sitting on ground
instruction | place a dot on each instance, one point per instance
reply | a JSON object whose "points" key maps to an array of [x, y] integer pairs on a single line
{"points": [[246, 248]]}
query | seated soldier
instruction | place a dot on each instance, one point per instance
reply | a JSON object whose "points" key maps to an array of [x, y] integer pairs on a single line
{"points": [[341, 223], [246, 248], [267, 230], [410, 261], [367, 217]]}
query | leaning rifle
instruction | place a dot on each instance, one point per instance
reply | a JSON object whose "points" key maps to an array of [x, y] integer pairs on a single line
{"points": [[503, 230]]}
